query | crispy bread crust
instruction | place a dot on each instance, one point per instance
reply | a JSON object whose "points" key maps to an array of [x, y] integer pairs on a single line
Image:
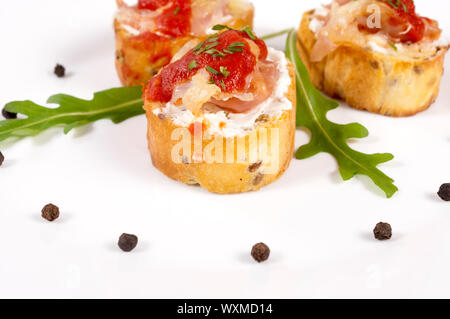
{"points": [[138, 59], [222, 178], [372, 81]]}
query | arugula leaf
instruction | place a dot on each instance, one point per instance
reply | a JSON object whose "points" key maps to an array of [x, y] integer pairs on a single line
{"points": [[329, 137], [117, 104]]}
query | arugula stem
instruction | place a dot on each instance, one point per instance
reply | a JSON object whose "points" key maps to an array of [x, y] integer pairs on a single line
{"points": [[276, 34]]}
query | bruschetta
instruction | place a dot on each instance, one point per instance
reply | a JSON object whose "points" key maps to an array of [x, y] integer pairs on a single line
{"points": [[222, 113], [377, 55], [150, 33]]}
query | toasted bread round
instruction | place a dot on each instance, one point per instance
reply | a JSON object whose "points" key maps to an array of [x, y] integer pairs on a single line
{"points": [[385, 84], [237, 176], [140, 57]]}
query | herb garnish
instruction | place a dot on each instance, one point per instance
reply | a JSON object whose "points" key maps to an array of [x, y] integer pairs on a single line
{"points": [[224, 71], [207, 47], [392, 45], [215, 53], [177, 9], [329, 137], [236, 44], [192, 65], [235, 47], [396, 4], [213, 71], [249, 32], [220, 27], [213, 39], [198, 46]]}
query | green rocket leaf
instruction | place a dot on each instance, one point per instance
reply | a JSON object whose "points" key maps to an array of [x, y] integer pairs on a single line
{"points": [[117, 104], [329, 137]]}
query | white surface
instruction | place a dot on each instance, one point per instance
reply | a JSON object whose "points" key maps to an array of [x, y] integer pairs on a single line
{"points": [[192, 243]]}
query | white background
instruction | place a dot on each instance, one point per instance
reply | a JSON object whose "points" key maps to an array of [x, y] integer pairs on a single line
{"points": [[193, 244]]}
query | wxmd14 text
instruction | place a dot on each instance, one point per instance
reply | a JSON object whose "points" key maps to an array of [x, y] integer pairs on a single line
{"points": [[225, 309]]}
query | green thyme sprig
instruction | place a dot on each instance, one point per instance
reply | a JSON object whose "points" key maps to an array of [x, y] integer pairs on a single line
{"points": [[212, 70], [223, 72], [192, 65], [249, 32], [207, 47], [246, 29], [393, 46], [220, 27], [396, 4]]}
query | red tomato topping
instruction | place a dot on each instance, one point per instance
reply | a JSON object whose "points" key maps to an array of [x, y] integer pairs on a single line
{"points": [[227, 58], [152, 4], [406, 15], [175, 20]]}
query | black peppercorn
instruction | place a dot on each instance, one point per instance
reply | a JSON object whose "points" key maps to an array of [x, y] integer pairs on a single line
{"points": [[60, 71], [50, 212], [382, 231], [2, 158], [127, 242], [260, 252], [8, 115], [444, 192]]}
